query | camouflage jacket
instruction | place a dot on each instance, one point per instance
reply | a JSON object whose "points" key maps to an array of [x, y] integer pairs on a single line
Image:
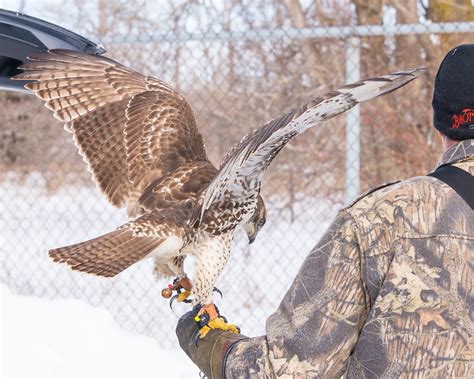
{"points": [[386, 293]]}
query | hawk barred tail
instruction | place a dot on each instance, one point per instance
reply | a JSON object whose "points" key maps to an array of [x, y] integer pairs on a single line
{"points": [[106, 255], [158, 234], [241, 171]]}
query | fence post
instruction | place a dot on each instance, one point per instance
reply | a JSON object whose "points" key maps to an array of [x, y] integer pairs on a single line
{"points": [[352, 164]]}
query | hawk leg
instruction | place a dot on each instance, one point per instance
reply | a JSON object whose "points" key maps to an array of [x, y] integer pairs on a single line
{"points": [[212, 255]]}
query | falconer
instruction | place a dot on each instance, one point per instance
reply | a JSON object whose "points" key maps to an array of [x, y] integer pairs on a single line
{"points": [[388, 291]]}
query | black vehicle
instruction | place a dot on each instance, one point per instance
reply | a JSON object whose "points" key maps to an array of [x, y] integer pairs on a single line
{"points": [[22, 35]]}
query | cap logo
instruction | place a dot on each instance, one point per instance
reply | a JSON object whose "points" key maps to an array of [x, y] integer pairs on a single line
{"points": [[467, 116]]}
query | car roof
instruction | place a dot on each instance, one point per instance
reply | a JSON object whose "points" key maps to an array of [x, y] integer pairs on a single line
{"points": [[22, 36]]}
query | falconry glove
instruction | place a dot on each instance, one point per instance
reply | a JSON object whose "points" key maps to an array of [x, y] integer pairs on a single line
{"points": [[208, 353]]}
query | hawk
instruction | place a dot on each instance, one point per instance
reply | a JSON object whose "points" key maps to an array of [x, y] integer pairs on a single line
{"points": [[140, 141]]}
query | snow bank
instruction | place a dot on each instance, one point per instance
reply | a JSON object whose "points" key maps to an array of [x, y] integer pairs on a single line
{"points": [[68, 338]]}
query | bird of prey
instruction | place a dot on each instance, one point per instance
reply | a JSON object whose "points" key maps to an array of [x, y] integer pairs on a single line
{"points": [[140, 141]]}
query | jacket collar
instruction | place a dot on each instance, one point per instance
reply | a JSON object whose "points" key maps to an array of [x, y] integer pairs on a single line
{"points": [[462, 151]]}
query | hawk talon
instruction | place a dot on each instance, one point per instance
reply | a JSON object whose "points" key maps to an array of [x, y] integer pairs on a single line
{"points": [[172, 300], [197, 338], [215, 289]]}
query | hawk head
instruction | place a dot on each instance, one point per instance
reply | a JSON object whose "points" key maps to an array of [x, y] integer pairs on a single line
{"points": [[256, 222]]}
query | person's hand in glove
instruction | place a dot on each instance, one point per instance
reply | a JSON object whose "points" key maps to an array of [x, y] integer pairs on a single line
{"points": [[209, 352]]}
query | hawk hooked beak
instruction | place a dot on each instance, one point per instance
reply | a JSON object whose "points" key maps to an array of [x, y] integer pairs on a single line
{"points": [[256, 222], [252, 238], [251, 231]]}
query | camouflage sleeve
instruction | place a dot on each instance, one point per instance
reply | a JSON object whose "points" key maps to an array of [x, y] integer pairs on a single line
{"points": [[317, 324]]}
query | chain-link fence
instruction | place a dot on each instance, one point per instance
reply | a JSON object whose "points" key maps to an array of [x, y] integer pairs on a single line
{"points": [[239, 63]]}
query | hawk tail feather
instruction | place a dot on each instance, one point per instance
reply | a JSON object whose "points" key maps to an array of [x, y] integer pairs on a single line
{"points": [[106, 255]]}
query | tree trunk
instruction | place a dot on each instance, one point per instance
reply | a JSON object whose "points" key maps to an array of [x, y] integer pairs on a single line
{"points": [[451, 11], [313, 57]]}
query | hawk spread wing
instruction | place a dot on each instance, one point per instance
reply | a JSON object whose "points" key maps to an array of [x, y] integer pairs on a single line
{"points": [[129, 128], [241, 171]]}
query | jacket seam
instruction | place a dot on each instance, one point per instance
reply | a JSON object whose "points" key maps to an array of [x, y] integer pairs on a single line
{"points": [[355, 227]]}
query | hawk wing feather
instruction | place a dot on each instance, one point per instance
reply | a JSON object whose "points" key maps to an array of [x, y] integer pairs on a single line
{"points": [[148, 135], [98, 136], [129, 128], [242, 169]]}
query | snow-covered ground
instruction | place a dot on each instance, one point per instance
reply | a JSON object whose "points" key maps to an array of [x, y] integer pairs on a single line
{"points": [[69, 338]]}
